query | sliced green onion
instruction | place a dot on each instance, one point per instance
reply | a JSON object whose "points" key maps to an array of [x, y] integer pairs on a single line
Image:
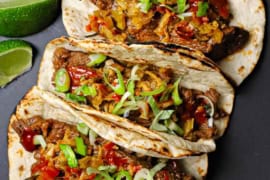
{"points": [[120, 88], [131, 86], [80, 146], [123, 174], [96, 59], [86, 90], [76, 98], [62, 80], [170, 124], [165, 114], [143, 174], [105, 175], [121, 103], [202, 9], [92, 137], [70, 155], [157, 168], [133, 75], [166, 94], [110, 169], [175, 94], [154, 92], [145, 5], [162, 115], [181, 6], [82, 128], [91, 170], [39, 140], [153, 105]]}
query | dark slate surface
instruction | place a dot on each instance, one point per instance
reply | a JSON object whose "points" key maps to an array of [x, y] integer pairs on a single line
{"points": [[244, 151]]}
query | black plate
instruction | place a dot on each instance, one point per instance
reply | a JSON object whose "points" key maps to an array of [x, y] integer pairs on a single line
{"points": [[244, 151]]}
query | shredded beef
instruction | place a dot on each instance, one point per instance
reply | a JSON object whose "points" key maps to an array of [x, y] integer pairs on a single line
{"points": [[78, 59], [213, 95]]}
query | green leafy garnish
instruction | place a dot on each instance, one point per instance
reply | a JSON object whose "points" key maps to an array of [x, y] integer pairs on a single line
{"points": [[202, 9]]}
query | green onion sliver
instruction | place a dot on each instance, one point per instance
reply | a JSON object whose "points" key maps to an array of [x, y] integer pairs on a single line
{"points": [[175, 94], [145, 5], [92, 137], [153, 105], [120, 88], [76, 98], [181, 6], [170, 124], [157, 168], [154, 92], [143, 174], [121, 103], [202, 8], [39, 140], [82, 128], [80, 146], [91, 170], [110, 169], [62, 80], [104, 175], [162, 115], [96, 59], [70, 155], [86, 90], [123, 174]]}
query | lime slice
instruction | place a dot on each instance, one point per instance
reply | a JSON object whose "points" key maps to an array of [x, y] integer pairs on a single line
{"points": [[15, 59], [24, 17]]}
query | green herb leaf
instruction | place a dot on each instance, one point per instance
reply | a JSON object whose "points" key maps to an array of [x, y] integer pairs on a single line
{"points": [[181, 6], [86, 91], [76, 98], [202, 9], [70, 155], [80, 146], [96, 59], [82, 128]]}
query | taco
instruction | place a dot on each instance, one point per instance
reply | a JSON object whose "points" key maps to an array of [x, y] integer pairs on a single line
{"points": [[166, 96], [226, 30], [47, 141]]}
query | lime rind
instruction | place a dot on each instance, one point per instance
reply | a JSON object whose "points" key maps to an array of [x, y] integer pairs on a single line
{"points": [[15, 59], [17, 3], [27, 19]]}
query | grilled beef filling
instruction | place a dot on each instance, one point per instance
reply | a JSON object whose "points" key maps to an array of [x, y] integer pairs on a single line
{"points": [[52, 162], [148, 93], [201, 25]]}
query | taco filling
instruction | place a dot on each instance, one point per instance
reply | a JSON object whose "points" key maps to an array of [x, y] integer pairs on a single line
{"points": [[64, 151], [197, 24], [147, 95]]}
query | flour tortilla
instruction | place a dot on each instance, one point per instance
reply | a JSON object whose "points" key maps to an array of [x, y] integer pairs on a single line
{"points": [[41, 103], [197, 76], [250, 15]]}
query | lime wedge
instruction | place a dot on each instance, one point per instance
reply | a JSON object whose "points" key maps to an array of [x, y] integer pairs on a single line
{"points": [[15, 59], [24, 17]]}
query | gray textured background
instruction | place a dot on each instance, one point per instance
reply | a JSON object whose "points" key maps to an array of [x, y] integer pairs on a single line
{"points": [[244, 151]]}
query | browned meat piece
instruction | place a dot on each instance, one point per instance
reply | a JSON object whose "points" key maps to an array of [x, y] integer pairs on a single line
{"points": [[78, 59], [60, 58], [174, 170], [187, 94], [103, 4], [234, 39], [57, 132], [135, 117], [213, 95], [205, 132]]}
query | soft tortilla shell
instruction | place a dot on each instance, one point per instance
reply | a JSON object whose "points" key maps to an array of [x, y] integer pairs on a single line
{"points": [[40, 103], [197, 76], [249, 15]]}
